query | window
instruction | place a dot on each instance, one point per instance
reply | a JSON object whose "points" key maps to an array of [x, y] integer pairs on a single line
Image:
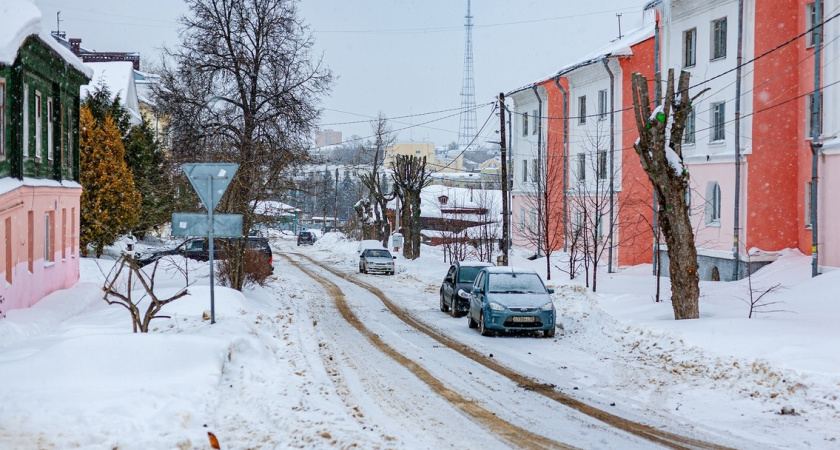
{"points": [[689, 47], [808, 209], [811, 14], [719, 38], [30, 241], [521, 218], [536, 117], [8, 238], [578, 224], [525, 124], [812, 113], [49, 237], [50, 141], [599, 227], [524, 170], [582, 109], [713, 203], [602, 164], [690, 128], [535, 173], [533, 225], [70, 128], [39, 125], [63, 233], [25, 120], [2, 118], [718, 121], [602, 104], [581, 167]]}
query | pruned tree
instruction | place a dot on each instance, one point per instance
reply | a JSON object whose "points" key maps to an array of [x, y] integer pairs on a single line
{"points": [[120, 285], [376, 181], [243, 87], [660, 150], [110, 203], [410, 177]]}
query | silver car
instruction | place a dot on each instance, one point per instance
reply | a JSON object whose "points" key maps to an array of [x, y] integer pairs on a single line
{"points": [[376, 260]]}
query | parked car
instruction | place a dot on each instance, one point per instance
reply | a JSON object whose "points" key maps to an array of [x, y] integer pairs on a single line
{"points": [[375, 260], [306, 238], [199, 250], [507, 299], [459, 277]]}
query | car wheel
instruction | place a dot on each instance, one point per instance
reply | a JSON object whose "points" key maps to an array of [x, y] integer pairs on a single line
{"points": [[470, 322], [452, 309], [443, 306], [548, 333], [361, 270], [482, 327]]}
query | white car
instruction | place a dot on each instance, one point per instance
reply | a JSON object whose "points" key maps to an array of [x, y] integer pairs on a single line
{"points": [[375, 260]]}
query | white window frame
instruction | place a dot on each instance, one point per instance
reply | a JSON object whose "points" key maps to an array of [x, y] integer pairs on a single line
{"points": [[602, 104], [712, 214], [689, 47], [48, 238], [70, 128], [602, 164], [582, 110], [690, 132], [810, 18], [50, 140], [521, 218], [39, 124], [536, 116], [525, 124], [25, 120], [719, 39], [525, 170], [810, 104], [718, 121], [581, 163]]}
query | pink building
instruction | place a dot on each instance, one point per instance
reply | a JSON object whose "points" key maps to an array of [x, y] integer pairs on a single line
{"points": [[39, 159]]}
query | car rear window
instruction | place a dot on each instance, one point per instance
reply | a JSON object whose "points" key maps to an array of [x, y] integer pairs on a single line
{"points": [[467, 274], [516, 283], [378, 253]]}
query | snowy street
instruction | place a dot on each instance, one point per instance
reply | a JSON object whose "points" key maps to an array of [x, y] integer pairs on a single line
{"points": [[314, 360]]}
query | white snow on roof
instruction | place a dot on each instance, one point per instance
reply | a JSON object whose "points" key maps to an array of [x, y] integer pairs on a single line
{"points": [[119, 77], [618, 47], [20, 19], [274, 208]]}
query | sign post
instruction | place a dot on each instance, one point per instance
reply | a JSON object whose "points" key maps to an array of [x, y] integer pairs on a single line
{"points": [[210, 180]]}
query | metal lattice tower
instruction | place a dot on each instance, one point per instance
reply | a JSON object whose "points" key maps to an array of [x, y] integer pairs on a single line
{"points": [[467, 131]]}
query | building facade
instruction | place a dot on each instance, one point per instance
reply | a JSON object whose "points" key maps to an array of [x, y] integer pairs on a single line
{"points": [[39, 162]]}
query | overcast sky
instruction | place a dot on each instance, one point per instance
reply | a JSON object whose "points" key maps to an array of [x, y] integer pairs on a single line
{"points": [[400, 57]]}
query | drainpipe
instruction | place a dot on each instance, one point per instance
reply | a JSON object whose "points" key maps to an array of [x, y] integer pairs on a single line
{"points": [[565, 162], [539, 171], [735, 231], [657, 94], [816, 105], [612, 164]]}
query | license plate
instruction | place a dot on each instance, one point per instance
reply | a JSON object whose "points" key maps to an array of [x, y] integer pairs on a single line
{"points": [[523, 319]]}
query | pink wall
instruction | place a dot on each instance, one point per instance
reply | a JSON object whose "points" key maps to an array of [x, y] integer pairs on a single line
{"points": [[25, 275]]}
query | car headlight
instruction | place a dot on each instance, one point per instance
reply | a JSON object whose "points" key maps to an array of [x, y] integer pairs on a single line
{"points": [[548, 306], [496, 307]]}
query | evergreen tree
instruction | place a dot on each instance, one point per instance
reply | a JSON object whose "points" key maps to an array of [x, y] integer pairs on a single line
{"points": [[101, 105], [110, 203], [147, 162]]}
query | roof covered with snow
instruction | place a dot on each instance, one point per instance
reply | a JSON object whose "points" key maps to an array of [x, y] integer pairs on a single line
{"points": [[20, 19], [618, 47], [118, 76]]}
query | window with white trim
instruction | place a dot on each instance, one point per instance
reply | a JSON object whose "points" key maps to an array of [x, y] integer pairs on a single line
{"points": [[49, 237], [70, 127], [581, 172], [689, 47], [719, 38], [525, 124], [718, 111], [536, 116], [39, 125], [602, 104], [811, 15], [602, 164], [811, 113], [712, 203], [50, 140], [524, 170], [690, 127], [582, 109], [25, 120]]}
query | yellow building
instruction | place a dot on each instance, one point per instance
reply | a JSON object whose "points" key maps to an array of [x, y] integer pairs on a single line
{"points": [[418, 149]]}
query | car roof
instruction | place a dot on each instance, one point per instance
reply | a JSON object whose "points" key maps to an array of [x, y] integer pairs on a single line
{"points": [[473, 264], [509, 269]]}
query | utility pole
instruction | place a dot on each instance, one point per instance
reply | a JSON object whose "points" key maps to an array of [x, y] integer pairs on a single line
{"points": [[335, 202], [816, 113], [736, 232], [619, 25], [505, 206]]}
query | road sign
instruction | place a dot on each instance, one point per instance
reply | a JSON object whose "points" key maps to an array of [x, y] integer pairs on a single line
{"points": [[210, 180], [198, 224]]}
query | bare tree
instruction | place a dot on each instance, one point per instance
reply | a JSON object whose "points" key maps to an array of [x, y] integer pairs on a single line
{"points": [[666, 170], [243, 87], [410, 177], [486, 236], [376, 181]]}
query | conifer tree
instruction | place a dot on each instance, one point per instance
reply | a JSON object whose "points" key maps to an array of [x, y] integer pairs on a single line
{"points": [[110, 203], [147, 162]]}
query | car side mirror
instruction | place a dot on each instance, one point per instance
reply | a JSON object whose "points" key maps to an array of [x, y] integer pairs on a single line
{"points": [[395, 257]]}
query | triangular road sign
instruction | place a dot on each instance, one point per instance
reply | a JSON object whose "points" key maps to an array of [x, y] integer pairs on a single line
{"points": [[210, 180]]}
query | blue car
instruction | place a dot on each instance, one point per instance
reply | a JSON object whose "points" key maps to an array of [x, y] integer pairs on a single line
{"points": [[510, 299]]}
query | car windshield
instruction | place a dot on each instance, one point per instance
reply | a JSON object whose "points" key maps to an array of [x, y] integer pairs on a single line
{"points": [[516, 283], [467, 274], [378, 254]]}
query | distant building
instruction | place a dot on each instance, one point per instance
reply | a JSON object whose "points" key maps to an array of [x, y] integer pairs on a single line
{"points": [[327, 137], [418, 149], [89, 56]]}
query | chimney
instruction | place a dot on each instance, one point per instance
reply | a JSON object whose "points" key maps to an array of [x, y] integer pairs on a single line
{"points": [[75, 43]]}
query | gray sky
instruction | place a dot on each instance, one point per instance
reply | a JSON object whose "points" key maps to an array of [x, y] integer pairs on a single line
{"points": [[400, 57]]}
